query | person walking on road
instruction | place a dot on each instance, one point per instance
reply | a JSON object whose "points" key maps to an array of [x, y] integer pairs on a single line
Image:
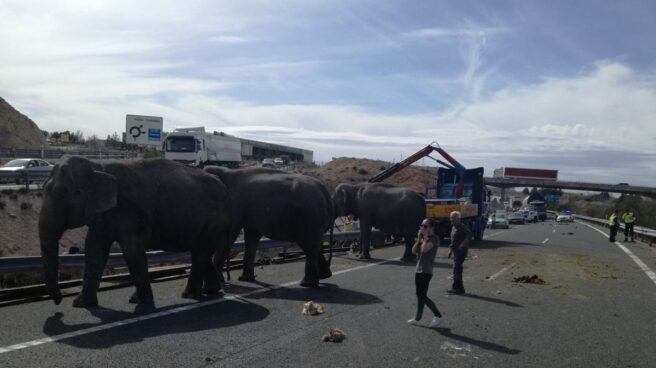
{"points": [[426, 247], [614, 224], [460, 236], [629, 219]]}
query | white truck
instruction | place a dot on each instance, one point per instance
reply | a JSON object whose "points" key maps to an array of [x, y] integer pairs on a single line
{"points": [[193, 146]]}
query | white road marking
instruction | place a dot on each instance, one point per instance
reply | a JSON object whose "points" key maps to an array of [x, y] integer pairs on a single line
{"points": [[553, 231], [501, 271], [651, 274], [545, 240], [493, 234], [227, 297]]}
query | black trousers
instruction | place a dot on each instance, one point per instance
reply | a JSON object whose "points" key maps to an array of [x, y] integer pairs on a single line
{"points": [[459, 256], [421, 284], [613, 233], [628, 230]]}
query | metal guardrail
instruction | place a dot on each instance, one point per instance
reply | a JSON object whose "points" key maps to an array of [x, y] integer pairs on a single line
{"points": [[23, 177], [645, 234], [35, 263]]}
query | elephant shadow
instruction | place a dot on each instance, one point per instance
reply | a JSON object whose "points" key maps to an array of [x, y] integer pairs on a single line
{"points": [[214, 316], [327, 293]]}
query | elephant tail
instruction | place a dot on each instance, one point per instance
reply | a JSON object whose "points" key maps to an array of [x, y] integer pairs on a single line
{"points": [[330, 239]]}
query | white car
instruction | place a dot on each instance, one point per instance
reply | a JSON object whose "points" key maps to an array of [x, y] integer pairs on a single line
{"points": [[498, 219], [516, 217], [268, 162], [564, 218], [279, 161], [35, 167], [530, 215]]}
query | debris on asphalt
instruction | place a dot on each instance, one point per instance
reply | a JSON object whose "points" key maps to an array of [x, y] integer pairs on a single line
{"points": [[529, 280], [312, 308], [335, 335]]}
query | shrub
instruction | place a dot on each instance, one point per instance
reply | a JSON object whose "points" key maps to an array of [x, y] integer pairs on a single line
{"points": [[13, 197], [2, 205], [25, 205], [363, 172]]}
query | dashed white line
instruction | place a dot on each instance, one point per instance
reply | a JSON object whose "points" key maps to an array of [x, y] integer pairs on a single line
{"points": [[501, 271], [651, 274], [239, 297], [545, 240]]}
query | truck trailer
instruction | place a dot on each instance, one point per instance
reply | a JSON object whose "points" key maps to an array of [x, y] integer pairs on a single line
{"points": [[521, 173], [193, 146]]}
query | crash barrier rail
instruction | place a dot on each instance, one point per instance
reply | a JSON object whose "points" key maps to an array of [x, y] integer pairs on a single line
{"points": [[46, 153], [645, 234], [35, 263], [23, 177]]}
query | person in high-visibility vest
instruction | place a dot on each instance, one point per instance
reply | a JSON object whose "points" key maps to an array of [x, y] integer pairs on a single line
{"points": [[629, 219], [614, 224]]}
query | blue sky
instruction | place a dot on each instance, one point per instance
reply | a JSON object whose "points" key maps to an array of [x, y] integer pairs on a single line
{"points": [[569, 85]]}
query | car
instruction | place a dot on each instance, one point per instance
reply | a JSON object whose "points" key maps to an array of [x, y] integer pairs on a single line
{"points": [[530, 215], [279, 161], [516, 217], [268, 162], [35, 167], [564, 217], [498, 219]]}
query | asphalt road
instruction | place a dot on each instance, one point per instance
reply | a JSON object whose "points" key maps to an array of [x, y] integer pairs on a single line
{"points": [[597, 309]]}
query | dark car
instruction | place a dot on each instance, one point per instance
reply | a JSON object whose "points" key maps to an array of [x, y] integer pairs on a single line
{"points": [[14, 170]]}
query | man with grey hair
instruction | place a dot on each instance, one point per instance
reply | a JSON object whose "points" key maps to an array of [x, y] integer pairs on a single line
{"points": [[460, 236]]}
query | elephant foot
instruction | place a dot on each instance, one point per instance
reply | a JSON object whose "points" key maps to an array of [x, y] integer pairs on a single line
{"points": [[82, 302], [187, 294], [325, 274], [135, 299], [212, 290], [247, 278], [311, 284], [364, 256]]}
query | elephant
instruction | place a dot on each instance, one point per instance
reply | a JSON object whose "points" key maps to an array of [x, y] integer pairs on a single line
{"points": [[394, 210], [281, 206], [147, 204]]}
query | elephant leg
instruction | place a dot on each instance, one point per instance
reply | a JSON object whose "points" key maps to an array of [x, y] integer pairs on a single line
{"points": [[409, 242], [312, 254], [96, 252], [134, 252], [201, 263], [324, 267], [365, 240], [251, 239], [222, 253]]}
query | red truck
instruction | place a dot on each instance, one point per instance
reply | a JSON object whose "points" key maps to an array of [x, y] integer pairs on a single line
{"points": [[519, 173]]}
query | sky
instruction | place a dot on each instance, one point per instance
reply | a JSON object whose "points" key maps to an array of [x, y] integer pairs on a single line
{"points": [[566, 85]]}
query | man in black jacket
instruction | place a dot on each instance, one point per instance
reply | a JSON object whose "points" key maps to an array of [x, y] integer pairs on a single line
{"points": [[460, 236]]}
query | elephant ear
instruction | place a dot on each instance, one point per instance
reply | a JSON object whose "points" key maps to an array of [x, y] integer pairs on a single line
{"points": [[103, 197]]}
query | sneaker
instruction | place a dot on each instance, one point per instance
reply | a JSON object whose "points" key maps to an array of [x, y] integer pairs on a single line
{"points": [[455, 292], [413, 322], [435, 322]]}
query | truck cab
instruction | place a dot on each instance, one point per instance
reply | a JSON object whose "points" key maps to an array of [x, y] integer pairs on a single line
{"points": [[187, 147], [471, 204]]}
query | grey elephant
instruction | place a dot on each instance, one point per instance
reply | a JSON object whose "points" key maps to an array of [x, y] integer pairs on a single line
{"points": [[281, 206], [394, 210], [150, 204]]}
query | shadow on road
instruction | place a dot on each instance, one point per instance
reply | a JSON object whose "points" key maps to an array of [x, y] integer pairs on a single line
{"points": [[446, 332], [214, 316], [491, 300], [493, 244], [327, 293]]}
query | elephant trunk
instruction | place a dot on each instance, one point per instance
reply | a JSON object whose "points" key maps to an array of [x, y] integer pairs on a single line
{"points": [[51, 228]]}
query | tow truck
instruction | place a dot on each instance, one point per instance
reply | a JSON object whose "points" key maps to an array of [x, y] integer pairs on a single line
{"points": [[458, 189]]}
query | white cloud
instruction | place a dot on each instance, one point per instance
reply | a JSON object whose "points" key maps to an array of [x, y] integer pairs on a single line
{"points": [[454, 32]]}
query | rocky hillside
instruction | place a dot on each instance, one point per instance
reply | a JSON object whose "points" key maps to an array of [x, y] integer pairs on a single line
{"points": [[354, 170], [17, 130]]}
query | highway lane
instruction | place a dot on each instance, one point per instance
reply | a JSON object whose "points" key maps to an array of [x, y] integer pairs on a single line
{"points": [[596, 309]]}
